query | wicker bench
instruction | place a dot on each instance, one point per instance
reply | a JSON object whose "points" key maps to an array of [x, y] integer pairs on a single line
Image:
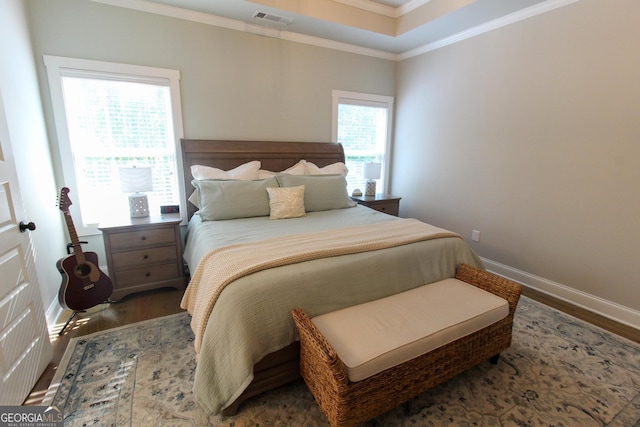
{"points": [[348, 401]]}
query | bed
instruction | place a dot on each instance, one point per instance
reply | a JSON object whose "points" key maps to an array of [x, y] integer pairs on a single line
{"points": [[246, 341]]}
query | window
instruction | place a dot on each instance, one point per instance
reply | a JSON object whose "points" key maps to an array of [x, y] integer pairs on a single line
{"points": [[109, 116], [362, 124]]}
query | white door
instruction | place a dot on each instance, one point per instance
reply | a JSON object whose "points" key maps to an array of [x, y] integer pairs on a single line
{"points": [[25, 349]]}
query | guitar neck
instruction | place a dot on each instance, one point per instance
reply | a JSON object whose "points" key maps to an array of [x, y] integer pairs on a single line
{"points": [[75, 242]]}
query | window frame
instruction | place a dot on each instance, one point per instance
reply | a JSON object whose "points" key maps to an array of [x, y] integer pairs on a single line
{"points": [[58, 67], [366, 100]]}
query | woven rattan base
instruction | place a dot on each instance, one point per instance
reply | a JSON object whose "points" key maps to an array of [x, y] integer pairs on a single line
{"points": [[347, 403]]}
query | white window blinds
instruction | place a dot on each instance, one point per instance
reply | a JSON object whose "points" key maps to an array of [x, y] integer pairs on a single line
{"points": [[362, 124], [110, 120]]}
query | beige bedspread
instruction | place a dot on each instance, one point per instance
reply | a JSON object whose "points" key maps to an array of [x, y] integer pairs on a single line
{"points": [[222, 266]]}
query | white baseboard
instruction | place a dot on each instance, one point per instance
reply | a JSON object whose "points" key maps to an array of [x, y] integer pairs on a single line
{"points": [[53, 313], [608, 309]]}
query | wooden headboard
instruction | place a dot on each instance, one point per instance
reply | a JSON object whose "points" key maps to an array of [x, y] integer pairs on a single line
{"points": [[275, 156]]}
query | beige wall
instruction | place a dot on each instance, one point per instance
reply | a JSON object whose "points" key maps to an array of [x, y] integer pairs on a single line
{"points": [[23, 107], [527, 133], [530, 134], [234, 85]]}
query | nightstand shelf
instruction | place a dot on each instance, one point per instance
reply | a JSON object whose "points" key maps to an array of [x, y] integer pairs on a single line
{"points": [[385, 203], [143, 254]]}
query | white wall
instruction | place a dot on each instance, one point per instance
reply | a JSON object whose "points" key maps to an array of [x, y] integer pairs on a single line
{"points": [[529, 133], [19, 85]]}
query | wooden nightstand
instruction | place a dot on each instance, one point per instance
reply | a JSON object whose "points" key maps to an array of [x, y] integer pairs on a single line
{"points": [[143, 254], [381, 202]]}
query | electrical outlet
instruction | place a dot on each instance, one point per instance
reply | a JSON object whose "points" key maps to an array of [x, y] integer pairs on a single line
{"points": [[475, 235]]}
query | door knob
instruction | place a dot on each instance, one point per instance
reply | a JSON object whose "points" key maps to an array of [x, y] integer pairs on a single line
{"points": [[24, 227]]}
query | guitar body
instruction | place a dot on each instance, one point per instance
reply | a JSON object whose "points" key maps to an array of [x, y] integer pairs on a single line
{"points": [[83, 285]]}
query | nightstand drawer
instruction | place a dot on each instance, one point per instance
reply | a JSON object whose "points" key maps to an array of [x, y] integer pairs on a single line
{"points": [[156, 273], [385, 203], [388, 208], [143, 257], [143, 254], [134, 239]]}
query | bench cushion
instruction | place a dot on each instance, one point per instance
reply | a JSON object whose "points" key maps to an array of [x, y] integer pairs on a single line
{"points": [[377, 335]]}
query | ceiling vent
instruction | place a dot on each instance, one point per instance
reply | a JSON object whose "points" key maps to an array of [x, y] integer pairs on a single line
{"points": [[263, 17]]}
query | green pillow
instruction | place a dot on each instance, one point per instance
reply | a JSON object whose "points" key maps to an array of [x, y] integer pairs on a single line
{"points": [[222, 199], [321, 192]]}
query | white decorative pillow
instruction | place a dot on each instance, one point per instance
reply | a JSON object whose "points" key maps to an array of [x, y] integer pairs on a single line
{"points": [[286, 202], [265, 174], [337, 168], [194, 198], [299, 168], [244, 172]]}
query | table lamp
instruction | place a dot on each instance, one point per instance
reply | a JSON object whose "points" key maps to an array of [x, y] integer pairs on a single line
{"points": [[135, 181], [371, 173]]}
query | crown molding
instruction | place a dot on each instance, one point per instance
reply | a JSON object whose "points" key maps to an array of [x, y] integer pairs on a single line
{"points": [[332, 44], [209, 19], [410, 6], [233, 24], [503, 21], [383, 9], [176, 12], [371, 6]]}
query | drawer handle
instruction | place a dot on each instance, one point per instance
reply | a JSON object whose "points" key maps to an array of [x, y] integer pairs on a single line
{"points": [[143, 238], [146, 257], [148, 274]]}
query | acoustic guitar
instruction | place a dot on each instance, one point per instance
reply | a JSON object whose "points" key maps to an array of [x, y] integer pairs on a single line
{"points": [[84, 285]]}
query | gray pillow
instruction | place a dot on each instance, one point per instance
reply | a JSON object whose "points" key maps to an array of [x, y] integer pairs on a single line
{"points": [[321, 192], [221, 199]]}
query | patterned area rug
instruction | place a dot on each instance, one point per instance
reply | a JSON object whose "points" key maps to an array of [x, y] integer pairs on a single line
{"points": [[559, 371]]}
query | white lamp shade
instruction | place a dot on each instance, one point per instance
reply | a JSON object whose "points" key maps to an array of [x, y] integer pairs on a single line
{"points": [[135, 179], [372, 170]]}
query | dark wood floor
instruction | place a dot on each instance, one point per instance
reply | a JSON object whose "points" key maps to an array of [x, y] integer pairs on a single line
{"points": [[605, 323], [133, 308], [163, 302]]}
